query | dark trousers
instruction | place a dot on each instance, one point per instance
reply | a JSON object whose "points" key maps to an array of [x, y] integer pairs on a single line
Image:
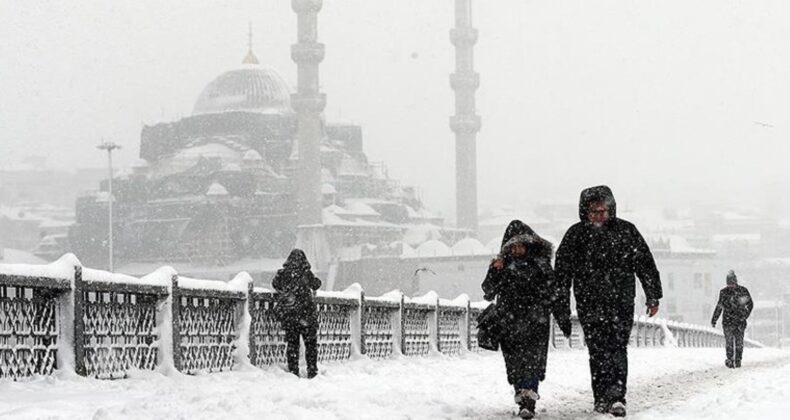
{"points": [[607, 332], [309, 333], [733, 337]]}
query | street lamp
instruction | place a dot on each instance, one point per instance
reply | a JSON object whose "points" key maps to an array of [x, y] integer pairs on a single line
{"points": [[109, 147]]}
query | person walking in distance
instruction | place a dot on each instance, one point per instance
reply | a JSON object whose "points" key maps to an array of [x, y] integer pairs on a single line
{"points": [[294, 308], [522, 281], [736, 303], [599, 257]]}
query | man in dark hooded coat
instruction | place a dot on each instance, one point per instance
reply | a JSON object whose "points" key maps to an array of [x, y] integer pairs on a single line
{"points": [[736, 303], [522, 281], [296, 311], [599, 257]]}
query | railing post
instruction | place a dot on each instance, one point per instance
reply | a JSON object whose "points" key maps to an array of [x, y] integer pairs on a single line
{"points": [[437, 336], [402, 317], [175, 296], [250, 336], [362, 316], [79, 323], [468, 326]]}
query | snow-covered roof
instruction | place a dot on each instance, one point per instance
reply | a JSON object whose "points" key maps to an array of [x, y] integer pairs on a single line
{"points": [[216, 189], [469, 246], [417, 234], [359, 208], [434, 248], [252, 155]]}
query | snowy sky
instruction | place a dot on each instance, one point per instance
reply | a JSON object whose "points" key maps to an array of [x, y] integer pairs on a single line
{"points": [[661, 100]]}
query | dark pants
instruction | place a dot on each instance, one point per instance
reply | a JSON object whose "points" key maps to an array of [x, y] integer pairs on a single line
{"points": [[607, 332], [309, 333], [733, 337]]}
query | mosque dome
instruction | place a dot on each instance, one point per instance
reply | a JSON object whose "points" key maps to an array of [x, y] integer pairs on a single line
{"points": [[252, 88]]}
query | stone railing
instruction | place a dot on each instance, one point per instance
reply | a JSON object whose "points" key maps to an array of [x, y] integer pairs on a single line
{"points": [[105, 325], [652, 332]]}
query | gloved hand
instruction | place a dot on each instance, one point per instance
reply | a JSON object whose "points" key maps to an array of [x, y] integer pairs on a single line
{"points": [[652, 308]]}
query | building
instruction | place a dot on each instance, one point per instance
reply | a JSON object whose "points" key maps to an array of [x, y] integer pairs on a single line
{"points": [[220, 186]]}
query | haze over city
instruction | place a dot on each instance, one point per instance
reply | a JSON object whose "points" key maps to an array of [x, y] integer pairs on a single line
{"points": [[673, 104]]}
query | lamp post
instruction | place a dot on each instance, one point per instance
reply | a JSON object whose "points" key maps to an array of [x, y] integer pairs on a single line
{"points": [[109, 147]]}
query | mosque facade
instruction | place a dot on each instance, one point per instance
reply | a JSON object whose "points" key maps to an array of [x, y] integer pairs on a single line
{"points": [[221, 185]]}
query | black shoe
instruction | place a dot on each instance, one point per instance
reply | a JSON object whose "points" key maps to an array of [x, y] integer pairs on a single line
{"points": [[729, 363], [617, 409], [526, 413], [526, 399], [312, 374], [601, 407], [737, 363]]}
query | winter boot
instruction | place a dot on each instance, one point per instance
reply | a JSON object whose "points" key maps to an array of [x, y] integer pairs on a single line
{"points": [[729, 363], [617, 409], [737, 363], [601, 407], [525, 398]]}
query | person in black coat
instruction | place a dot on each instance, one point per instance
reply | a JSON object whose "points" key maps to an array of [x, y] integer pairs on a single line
{"points": [[599, 257], [522, 281], [295, 285], [736, 303]]}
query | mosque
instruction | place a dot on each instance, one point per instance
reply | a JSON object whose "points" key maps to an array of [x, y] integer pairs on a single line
{"points": [[256, 169]]}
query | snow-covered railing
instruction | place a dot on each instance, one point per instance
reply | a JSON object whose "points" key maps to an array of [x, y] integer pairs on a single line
{"points": [[207, 316], [115, 319], [652, 332], [29, 325], [104, 325]]}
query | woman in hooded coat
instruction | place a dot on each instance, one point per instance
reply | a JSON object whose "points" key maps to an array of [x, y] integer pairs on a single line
{"points": [[522, 281], [296, 311]]}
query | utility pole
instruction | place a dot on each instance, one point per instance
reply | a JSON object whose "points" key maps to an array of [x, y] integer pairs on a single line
{"points": [[109, 147]]}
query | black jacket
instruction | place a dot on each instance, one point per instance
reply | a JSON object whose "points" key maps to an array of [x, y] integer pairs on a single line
{"points": [[737, 305], [526, 295], [295, 284], [600, 262]]}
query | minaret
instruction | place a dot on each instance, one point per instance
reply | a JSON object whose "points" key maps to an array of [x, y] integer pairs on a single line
{"points": [[308, 103], [465, 123]]}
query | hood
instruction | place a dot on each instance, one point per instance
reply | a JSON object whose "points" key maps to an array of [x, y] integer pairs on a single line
{"points": [[296, 261], [515, 228], [518, 231], [593, 194], [732, 279]]}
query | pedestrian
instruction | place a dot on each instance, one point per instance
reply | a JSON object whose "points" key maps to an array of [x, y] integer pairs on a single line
{"points": [[599, 257], [522, 281], [736, 303], [295, 285]]}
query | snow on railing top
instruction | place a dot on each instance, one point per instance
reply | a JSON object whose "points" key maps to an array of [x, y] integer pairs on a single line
{"points": [[429, 298], [391, 296], [203, 284], [101, 276], [352, 292], [63, 268], [460, 301]]}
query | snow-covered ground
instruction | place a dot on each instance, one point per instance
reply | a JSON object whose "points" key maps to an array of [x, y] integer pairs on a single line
{"points": [[663, 383]]}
